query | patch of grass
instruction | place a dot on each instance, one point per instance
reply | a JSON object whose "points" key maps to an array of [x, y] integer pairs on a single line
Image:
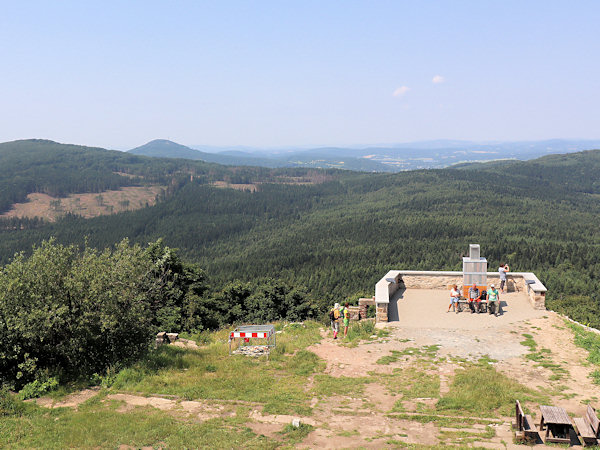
{"points": [[439, 420], [294, 435], [481, 390], [529, 342], [203, 337], [210, 373], [10, 405], [413, 383], [464, 437], [305, 363], [360, 331], [543, 359], [327, 386], [587, 340], [348, 433], [389, 358], [97, 426]]}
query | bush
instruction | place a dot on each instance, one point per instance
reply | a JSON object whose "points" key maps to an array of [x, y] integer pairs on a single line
{"points": [[38, 388], [68, 314]]}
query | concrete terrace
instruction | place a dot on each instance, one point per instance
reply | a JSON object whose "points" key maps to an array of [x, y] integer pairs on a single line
{"points": [[426, 308]]}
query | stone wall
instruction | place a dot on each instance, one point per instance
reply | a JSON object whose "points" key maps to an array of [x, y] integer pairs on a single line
{"points": [[429, 281], [382, 312], [362, 306], [354, 312], [537, 299]]}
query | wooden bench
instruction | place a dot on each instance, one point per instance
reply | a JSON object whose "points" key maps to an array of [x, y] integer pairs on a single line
{"points": [[588, 427], [585, 432], [464, 300], [526, 429], [530, 430]]}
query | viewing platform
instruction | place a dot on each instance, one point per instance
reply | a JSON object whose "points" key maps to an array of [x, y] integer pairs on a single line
{"points": [[399, 287]]}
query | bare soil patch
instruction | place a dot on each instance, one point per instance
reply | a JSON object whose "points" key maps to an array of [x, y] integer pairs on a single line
{"points": [[308, 179], [250, 187], [195, 409], [70, 401], [85, 205]]}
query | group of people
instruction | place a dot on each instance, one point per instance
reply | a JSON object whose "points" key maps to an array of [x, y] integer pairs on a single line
{"points": [[335, 315], [475, 296]]}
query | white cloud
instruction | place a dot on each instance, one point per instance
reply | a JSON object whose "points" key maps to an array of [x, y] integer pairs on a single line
{"points": [[401, 91], [438, 79]]}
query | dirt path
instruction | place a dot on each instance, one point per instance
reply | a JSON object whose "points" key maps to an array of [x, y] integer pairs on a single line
{"points": [[70, 401]]}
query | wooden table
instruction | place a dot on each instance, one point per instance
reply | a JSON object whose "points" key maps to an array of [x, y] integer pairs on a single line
{"points": [[558, 422]]}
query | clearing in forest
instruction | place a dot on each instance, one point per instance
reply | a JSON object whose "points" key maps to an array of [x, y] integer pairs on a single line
{"points": [[85, 205]]}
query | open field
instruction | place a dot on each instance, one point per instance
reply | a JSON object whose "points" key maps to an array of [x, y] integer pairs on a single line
{"points": [[86, 205], [393, 386]]}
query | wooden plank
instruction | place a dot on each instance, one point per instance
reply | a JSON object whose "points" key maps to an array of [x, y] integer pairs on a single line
{"points": [[519, 415], [529, 424], [592, 419], [583, 428], [529, 429]]}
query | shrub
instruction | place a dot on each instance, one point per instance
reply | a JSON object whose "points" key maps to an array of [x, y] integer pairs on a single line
{"points": [[69, 313], [38, 388]]}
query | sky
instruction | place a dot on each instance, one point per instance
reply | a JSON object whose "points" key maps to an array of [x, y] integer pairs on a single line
{"points": [[298, 73]]}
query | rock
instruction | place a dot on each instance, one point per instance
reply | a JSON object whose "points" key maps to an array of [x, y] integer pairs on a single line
{"points": [[252, 350], [172, 337], [161, 338]]}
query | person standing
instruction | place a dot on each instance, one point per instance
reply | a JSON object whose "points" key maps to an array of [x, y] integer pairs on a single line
{"points": [[454, 296], [346, 316], [334, 316], [502, 270], [493, 298]]}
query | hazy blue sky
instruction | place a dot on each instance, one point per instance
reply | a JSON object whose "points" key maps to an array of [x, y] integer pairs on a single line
{"points": [[269, 73]]}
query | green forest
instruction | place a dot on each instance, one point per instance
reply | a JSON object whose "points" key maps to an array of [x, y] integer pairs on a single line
{"points": [[334, 239]]}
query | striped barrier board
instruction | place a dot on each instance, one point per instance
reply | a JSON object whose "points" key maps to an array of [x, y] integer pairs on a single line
{"points": [[241, 334], [247, 332]]}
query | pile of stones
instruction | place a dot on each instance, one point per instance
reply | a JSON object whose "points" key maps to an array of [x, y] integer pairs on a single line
{"points": [[252, 350]]}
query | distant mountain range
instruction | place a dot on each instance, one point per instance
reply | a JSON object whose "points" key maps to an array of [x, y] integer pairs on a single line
{"points": [[393, 158]]}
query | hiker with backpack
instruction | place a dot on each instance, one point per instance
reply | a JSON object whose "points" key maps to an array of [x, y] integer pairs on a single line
{"points": [[334, 316]]}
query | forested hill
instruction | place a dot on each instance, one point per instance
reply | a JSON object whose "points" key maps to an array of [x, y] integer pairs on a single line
{"points": [[162, 148], [338, 234], [579, 172], [43, 166], [55, 169]]}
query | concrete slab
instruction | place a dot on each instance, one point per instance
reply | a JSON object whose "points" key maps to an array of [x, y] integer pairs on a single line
{"points": [[425, 308]]}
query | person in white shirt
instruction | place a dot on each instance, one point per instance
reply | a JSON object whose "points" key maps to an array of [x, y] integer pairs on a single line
{"points": [[502, 270], [454, 296]]}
